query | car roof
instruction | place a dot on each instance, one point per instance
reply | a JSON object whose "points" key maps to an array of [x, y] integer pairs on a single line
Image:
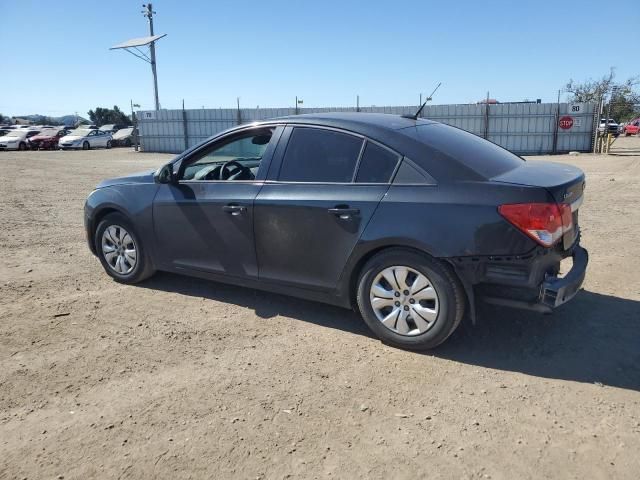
{"points": [[355, 121]]}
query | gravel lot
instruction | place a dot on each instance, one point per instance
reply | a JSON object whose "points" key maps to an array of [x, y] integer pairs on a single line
{"points": [[184, 378]]}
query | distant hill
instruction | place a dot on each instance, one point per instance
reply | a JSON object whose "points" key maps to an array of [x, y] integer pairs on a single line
{"points": [[45, 119]]}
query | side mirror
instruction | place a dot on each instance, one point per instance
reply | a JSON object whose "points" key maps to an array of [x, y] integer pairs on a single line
{"points": [[165, 174]]}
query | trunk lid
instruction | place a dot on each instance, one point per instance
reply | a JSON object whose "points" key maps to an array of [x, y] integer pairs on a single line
{"points": [[564, 182]]}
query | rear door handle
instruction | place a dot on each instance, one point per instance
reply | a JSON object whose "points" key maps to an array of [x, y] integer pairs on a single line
{"points": [[234, 209], [344, 212]]}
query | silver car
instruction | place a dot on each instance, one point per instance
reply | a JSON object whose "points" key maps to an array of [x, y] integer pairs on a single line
{"points": [[85, 139]]}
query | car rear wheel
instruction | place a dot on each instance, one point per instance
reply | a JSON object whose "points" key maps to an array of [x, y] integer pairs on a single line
{"points": [[121, 251], [109, 144], [22, 146], [409, 300], [86, 146], [127, 142]]}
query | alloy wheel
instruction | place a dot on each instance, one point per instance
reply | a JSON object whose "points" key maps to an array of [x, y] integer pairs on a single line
{"points": [[404, 300], [119, 249]]}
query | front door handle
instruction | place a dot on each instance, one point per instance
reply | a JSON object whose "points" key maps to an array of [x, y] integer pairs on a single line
{"points": [[234, 209], [344, 213]]}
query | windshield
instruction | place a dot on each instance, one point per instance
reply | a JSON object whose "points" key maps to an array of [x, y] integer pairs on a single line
{"points": [[16, 133], [48, 132], [125, 132], [80, 132]]}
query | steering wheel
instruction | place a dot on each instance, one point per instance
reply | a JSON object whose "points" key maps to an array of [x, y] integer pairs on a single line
{"points": [[234, 170]]}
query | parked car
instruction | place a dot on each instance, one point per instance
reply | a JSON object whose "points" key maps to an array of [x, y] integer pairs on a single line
{"points": [[85, 139], [112, 127], [47, 139], [632, 127], [407, 220], [611, 127], [17, 139], [123, 137]]}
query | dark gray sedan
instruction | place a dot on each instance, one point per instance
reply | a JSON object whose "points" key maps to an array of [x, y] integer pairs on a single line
{"points": [[407, 220]]}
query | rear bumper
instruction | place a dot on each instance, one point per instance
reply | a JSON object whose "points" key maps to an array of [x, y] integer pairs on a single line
{"points": [[529, 281], [553, 291], [556, 291]]}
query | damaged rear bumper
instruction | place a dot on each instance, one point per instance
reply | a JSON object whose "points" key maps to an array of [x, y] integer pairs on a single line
{"points": [[529, 282]]}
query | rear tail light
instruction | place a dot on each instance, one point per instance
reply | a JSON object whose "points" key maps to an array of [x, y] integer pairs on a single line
{"points": [[544, 222]]}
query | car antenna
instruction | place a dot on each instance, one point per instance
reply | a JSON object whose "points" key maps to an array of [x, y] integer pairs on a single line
{"points": [[430, 97]]}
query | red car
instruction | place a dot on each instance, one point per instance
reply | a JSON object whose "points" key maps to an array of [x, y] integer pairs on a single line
{"points": [[47, 139], [632, 128]]}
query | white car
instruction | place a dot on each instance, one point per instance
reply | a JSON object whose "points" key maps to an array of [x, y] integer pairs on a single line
{"points": [[611, 126], [85, 139], [17, 139]]}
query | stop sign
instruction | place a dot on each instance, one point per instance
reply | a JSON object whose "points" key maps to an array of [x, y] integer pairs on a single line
{"points": [[566, 123]]}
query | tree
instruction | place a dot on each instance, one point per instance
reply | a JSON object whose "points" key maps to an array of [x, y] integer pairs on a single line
{"points": [[103, 116], [621, 97]]}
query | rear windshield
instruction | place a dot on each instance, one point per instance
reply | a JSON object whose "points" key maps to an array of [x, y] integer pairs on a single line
{"points": [[483, 157]]}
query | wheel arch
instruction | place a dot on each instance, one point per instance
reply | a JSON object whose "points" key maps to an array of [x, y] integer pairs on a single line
{"points": [[349, 289], [361, 256], [97, 217]]}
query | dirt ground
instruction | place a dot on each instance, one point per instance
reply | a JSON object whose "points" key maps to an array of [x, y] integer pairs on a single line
{"points": [[184, 378]]}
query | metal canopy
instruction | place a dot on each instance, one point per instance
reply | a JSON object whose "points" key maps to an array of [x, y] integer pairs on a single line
{"points": [[138, 42]]}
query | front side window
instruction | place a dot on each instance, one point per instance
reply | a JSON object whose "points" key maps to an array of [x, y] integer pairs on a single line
{"points": [[318, 155], [376, 165], [236, 159]]}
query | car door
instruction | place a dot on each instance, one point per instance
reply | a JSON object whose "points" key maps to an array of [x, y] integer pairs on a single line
{"points": [[205, 223], [91, 138], [312, 210]]}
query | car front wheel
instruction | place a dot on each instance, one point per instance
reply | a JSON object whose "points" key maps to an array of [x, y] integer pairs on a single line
{"points": [[121, 251], [409, 300], [86, 146]]}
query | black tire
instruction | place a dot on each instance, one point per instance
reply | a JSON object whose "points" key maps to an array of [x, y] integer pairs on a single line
{"points": [[22, 146], [127, 142], [109, 144], [451, 300], [143, 268], [86, 146]]}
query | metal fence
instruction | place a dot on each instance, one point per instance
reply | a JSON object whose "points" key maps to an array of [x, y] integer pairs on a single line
{"points": [[523, 128]]}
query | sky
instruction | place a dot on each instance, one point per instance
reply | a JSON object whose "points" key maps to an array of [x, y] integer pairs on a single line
{"points": [[57, 61]]}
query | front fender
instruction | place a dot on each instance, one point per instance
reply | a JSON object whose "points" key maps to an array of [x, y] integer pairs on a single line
{"points": [[133, 201]]}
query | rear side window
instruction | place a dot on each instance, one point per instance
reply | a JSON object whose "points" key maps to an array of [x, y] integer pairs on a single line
{"points": [[408, 173], [316, 155], [377, 164], [482, 156]]}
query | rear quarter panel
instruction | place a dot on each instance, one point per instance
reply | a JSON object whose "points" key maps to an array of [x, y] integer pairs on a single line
{"points": [[450, 220]]}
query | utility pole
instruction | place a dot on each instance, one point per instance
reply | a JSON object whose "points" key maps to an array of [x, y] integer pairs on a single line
{"points": [[148, 12], [134, 121]]}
